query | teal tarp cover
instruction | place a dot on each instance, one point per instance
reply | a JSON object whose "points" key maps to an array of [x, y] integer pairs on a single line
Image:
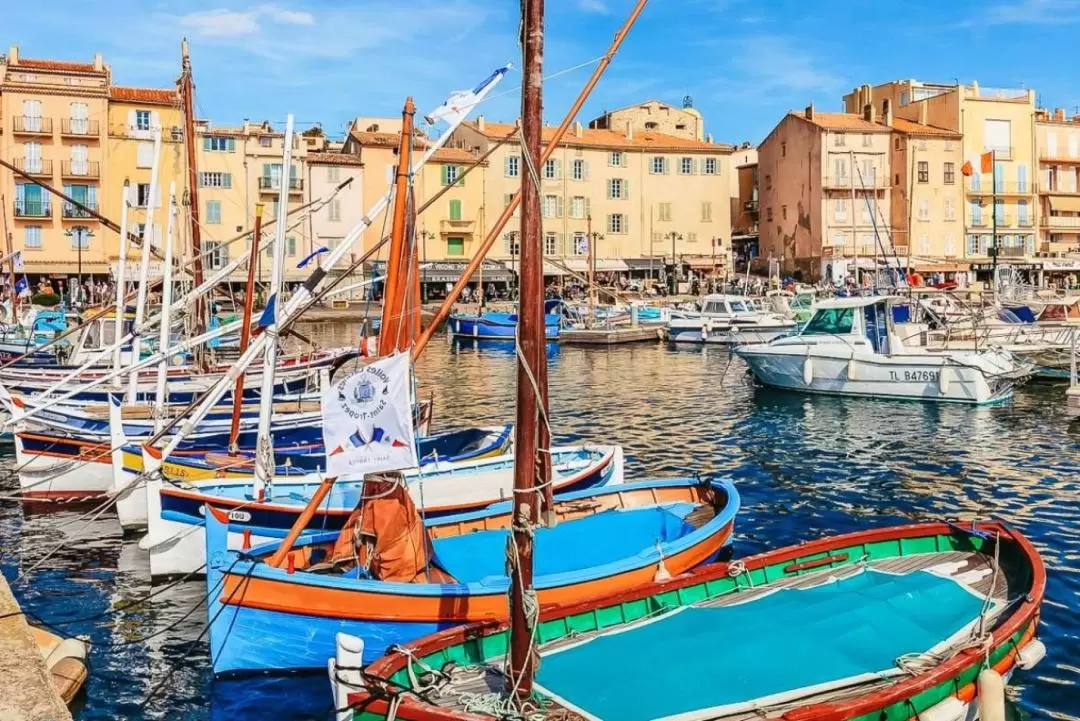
{"points": [[700, 658]]}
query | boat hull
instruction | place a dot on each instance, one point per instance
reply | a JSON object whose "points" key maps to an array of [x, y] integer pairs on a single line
{"points": [[696, 331], [492, 328]]}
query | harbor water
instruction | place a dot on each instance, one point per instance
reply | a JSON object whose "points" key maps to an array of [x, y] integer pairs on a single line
{"points": [[805, 467]]}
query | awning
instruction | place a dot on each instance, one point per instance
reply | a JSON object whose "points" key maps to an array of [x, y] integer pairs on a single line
{"points": [[1060, 202], [449, 271], [603, 265], [55, 270], [704, 263], [646, 264], [929, 267], [552, 269]]}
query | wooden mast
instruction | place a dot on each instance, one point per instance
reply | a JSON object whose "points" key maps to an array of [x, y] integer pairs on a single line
{"points": [[187, 94], [531, 379], [245, 329], [394, 335]]}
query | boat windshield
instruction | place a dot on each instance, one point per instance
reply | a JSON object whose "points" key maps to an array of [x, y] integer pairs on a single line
{"points": [[831, 321], [715, 307], [737, 306], [802, 302]]}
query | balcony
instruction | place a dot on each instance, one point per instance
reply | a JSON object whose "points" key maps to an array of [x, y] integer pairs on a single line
{"points": [[981, 222], [1056, 189], [41, 168], [76, 128], [79, 169], [750, 206], [72, 212], [32, 209], [1026, 222], [27, 125], [1056, 158], [1003, 187], [1012, 251], [457, 227], [1061, 222], [273, 185], [871, 182]]}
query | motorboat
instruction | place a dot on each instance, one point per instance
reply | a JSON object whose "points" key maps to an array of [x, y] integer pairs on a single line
{"points": [[728, 319]]}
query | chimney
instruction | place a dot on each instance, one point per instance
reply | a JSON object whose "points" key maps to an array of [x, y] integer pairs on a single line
{"points": [[578, 130], [868, 113], [922, 113], [886, 112], [708, 138], [1059, 115], [99, 63], [480, 123], [13, 55], [810, 111]]}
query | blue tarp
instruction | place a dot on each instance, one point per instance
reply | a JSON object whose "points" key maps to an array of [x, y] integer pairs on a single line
{"points": [[702, 658]]}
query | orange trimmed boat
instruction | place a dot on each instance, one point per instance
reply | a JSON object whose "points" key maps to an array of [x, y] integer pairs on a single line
{"points": [[915, 622]]}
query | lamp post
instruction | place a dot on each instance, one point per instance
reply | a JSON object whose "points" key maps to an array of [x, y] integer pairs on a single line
{"points": [[511, 237], [593, 237], [673, 235], [81, 234], [425, 236]]}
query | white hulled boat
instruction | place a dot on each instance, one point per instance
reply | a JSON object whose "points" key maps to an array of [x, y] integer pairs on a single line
{"points": [[729, 319]]}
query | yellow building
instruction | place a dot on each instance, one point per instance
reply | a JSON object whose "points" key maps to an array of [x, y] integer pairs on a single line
{"points": [[997, 120], [134, 116], [54, 127], [654, 115], [1058, 143]]}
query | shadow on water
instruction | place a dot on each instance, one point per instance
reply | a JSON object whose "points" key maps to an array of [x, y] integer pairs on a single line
{"points": [[805, 466]]}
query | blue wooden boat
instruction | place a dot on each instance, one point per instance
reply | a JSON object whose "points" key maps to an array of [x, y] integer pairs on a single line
{"points": [[274, 618], [493, 325]]}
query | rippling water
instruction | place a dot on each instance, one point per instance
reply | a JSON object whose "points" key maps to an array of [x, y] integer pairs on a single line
{"points": [[805, 466]]}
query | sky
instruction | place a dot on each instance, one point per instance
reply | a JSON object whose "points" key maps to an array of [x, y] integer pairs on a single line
{"points": [[743, 62]]}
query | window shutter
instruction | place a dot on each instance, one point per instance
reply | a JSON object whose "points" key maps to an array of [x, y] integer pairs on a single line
{"points": [[558, 206], [626, 190], [622, 159], [131, 120], [226, 180], [625, 223], [588, 207], [91, 196], [560, 243], [609, 186], [506, 166], [155, 120], [585, 169], [445, 174], [20, 193], [232, 145], [558, 170]]}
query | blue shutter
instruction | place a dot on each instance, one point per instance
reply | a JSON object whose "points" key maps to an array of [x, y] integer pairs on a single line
{"points": [[226, 180], [232, 145], [1021, 178], [999, 176], [91, 197]]}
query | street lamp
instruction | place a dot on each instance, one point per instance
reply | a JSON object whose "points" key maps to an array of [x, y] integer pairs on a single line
{"points": [[511, 241], [593, 236], [673, 235], [425, 236], [81, 234]]}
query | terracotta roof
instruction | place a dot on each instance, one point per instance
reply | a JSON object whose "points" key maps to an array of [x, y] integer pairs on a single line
{"points": [[60, 65], [842, 121], [614, 139], [152, 96], [912, 128], [454, 155], [233, 132], [333, 159]]}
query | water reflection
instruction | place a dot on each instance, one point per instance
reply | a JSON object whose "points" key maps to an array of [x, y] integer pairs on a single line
{"points": [[805, 466]]}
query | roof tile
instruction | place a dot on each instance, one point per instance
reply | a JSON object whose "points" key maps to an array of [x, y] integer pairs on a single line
{"points": [[613, 139], [842, 121], [910, 127], [153, 96], [60, 65], [333, 159]]}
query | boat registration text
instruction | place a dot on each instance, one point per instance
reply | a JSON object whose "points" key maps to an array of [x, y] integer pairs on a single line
{"points": [[915, 376]]}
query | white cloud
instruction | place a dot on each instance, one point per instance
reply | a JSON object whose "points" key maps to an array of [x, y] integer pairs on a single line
{"points": [[290, 17], [225, 23], [598, 7], [1027, 12], [773, 63]]}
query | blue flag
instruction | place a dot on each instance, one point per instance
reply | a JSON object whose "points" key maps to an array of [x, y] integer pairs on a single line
{"points": [[318, 251], [21, 285], [268, 315]]}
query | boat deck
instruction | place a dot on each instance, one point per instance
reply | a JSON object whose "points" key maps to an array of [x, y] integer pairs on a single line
{"points": [[975, 570]]}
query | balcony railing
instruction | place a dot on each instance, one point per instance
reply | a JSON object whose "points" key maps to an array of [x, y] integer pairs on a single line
{"points": [[1002, 187], [79, 169], [457, 226], [34, 167], [268, 184], [1058, 158], [30, 125], [71, 211], [1056, 189], [32, 209], [868, 182], [1012, 251], [79, 128], [981, 222], [1026, 222], [1068, 222]]}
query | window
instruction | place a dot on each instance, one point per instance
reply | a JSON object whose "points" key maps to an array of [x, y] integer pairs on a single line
{"points": [[768, 214], [840, 209], [617, 189], [616, 223], [142, 119], [1022, 212], [840, 140], [551, 170], [579, 169], [218, 254], [998, 135], [265, 141], [841, 171], [950, 209], [507, 199], [80, 237], [33, 157], [455, 210], [581, 244], [783, 212], [949, 250], [552, 206], [451, 173], [512, 166], [867, 140], [219, 144], [551, 244], [924, 209], [32, 114], [144, 155], [1074, 145], [686, 166], [213, 211], [706, 212], [973, 245], [80, 155], [215, 180], [838, 240], [710, 166], [924, 171], [924, 245], [950, 173], [142, 195], [617, 159], [456, 246], [768, 182], [513, 245], [868, 174], [658, 165], [663, 212], [334, 210], [999, 176], [1021, 178], [290, 246], [783, 150], [691, 237], [976, 181], [33, 237], [896, 143], [333, 174], [976, 213], [80, 118], [867, 212], [577, 207], [999, 211]]}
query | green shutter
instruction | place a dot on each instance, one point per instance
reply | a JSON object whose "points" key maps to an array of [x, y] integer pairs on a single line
{"points": [[445, 174], [626, 190], [461, 176], [455, 210]]}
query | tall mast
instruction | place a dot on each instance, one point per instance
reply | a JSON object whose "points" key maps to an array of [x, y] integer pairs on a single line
{"points": [[121, 278], [144, 264], [399, 266], [531, 380], [187, 92], [245, 330], [166, 302]]}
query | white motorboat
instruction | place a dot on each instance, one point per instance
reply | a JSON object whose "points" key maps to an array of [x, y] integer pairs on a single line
{"points": [[728, 319], [851, 346]]}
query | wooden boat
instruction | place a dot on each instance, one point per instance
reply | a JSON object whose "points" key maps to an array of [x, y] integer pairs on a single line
{"points": [[605, 541], [893, 623], [175, 515], [492, 325], [66, 659]]}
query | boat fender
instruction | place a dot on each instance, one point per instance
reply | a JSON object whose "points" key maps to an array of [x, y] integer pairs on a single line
{"points": [[944, 379], [345, 674], [706, 328], [808, 370], [1031, 654], [950, 709], [991, 695], [852, 370]]}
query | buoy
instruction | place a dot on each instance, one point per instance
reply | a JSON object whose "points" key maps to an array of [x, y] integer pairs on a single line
{"points": [[950, 709], [808, 371], [990, 695], [1030, 655], [706, 328], [944, 379]]}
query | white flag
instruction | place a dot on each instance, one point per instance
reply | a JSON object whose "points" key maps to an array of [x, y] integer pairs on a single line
{"points": [[367, 420], [17, 261], [460, 103]]}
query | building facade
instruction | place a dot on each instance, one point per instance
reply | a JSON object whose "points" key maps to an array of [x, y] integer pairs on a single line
{"points": [[1058, 147], [655, 116]]}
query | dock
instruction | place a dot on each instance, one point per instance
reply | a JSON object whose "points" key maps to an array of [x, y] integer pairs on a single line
{"points": [[30, 694], [610, 336]]}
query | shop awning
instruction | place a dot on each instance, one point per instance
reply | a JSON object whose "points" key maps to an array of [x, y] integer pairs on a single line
{"points": [[1065, 203], [645, 264], [448, 271], [603, 265], [928, 267], [704, 263]]}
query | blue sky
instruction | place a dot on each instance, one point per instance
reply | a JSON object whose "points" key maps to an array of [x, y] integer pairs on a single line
{"points": [[744, 62]]}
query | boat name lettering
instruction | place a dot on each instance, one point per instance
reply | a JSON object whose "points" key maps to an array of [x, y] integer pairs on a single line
{"points": [[918, 376], [239, 516]]}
